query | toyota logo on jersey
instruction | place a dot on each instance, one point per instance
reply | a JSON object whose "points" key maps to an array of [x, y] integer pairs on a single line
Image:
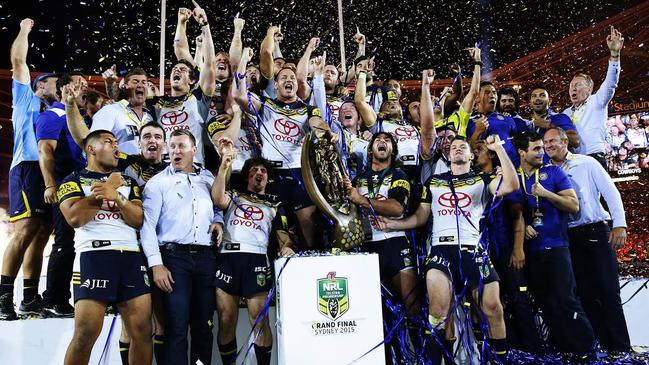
{"points": [[250, 212], [110, 205], [245, 145], [287, 128], [405, 132], [448, 200], [174, 117]]}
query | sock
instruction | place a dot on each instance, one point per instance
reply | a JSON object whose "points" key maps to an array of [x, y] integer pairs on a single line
{"points": [[30, 289], [498, 349], [414, 333], [433, 349], [228, 352], [477, 333], [450, 353], [158, 344], [123, 351], [7, 285], [262, 353]]}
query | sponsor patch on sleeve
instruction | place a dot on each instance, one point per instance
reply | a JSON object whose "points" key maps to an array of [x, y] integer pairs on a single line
{"points": [[67, 189], [401, 184]]}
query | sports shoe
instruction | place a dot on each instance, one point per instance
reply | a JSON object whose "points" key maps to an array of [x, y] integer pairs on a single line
{"points": [[35, 307], [7, 311], [63, 310]]}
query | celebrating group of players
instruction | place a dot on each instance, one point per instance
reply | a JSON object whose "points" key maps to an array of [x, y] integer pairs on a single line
{"points": [[125, 183]]}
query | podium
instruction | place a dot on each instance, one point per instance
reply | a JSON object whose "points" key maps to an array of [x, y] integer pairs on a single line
{"points": [[329, 310]]}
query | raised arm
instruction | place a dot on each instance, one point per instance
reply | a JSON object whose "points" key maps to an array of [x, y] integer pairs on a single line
{"points": [[346, 76], [458, 91], [303, 88], [110, 82], [278, 37], [181, 44], [236, 45], [427, 115], [198, 54], [207, 78], [20, 71], [241, 93], [605, 93], [469, 99], [76, 125], [220, 198], [364, 109], [266, 66], [509, 177], [234, 127]]}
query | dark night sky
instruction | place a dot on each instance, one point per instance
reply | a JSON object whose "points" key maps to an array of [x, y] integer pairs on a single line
{"points": [[406, 36]]}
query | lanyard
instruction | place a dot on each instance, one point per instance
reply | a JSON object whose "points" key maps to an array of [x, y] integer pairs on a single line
{"points": [[130, 113], [371, 190], [574, 116], [524, 178]]}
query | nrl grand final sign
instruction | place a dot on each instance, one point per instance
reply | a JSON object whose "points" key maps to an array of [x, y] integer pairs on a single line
{"points": [[329, 310]]}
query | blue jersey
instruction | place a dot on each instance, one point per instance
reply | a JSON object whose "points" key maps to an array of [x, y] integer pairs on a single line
{"points": [[559, 120], [502, 125], [26, 108], [500, 229], [522, 124], [52, 124], [552, 232]]}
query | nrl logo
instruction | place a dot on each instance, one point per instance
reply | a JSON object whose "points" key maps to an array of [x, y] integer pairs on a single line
{"points": [[333, 298]]}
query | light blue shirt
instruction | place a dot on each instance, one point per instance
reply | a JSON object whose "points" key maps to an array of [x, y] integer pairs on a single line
{"points": [[178, 208], [26, 108], [590, 180], [590, 117]]}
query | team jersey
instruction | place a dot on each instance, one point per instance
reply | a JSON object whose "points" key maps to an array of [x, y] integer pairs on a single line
{"points": [[107, 230], [26, 107], [247, 143], [390, 183], [334, 102], [375, 96], [557, 119], [459, 119], [125, 124], [502, 125], [283, 128], [552, 232], [355, 152], [188, 111], [406, 135], [137, 168], [249, 221], [456, 212]]}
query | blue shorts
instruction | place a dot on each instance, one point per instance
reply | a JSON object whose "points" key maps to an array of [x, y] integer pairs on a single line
{"points": [[394, 253], [110, 276], [26, 189], [290, 188], [243, 274], [462, 264]]}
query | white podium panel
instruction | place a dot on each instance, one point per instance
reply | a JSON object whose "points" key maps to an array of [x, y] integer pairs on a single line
{"points": [[329, 310]]}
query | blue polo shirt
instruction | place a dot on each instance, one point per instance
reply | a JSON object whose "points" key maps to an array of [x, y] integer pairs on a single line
{"points": [[26, 108], [502, 125], [522, 124], [553, 232], [52, 124], [560, 120]]}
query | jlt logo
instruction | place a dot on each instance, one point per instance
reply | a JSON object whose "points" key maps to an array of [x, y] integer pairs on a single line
{"points": [[94, 284]]}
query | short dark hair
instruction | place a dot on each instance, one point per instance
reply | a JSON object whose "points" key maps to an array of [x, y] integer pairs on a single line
{"points": [[285, 68], [94, 135], [256, 161], [92, 97], [512, 92], [63, 80], [538, 86], [154, 125], [522, 140], [395, 147], [192, 69], [139, 71], [183, 132], [360, 59]]}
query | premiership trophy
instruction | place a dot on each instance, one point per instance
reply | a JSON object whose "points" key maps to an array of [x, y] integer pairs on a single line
{"points": [[330, 197]]}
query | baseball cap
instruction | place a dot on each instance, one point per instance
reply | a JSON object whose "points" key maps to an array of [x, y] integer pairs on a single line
{"points": [[42, 76]]}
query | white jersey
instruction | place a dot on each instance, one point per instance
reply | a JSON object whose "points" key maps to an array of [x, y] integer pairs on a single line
{"points": [[249, 221], [390, 183], [107, 230], [125, 124], [406, 135], [456, 213], [283, 128], [183, 112]]}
